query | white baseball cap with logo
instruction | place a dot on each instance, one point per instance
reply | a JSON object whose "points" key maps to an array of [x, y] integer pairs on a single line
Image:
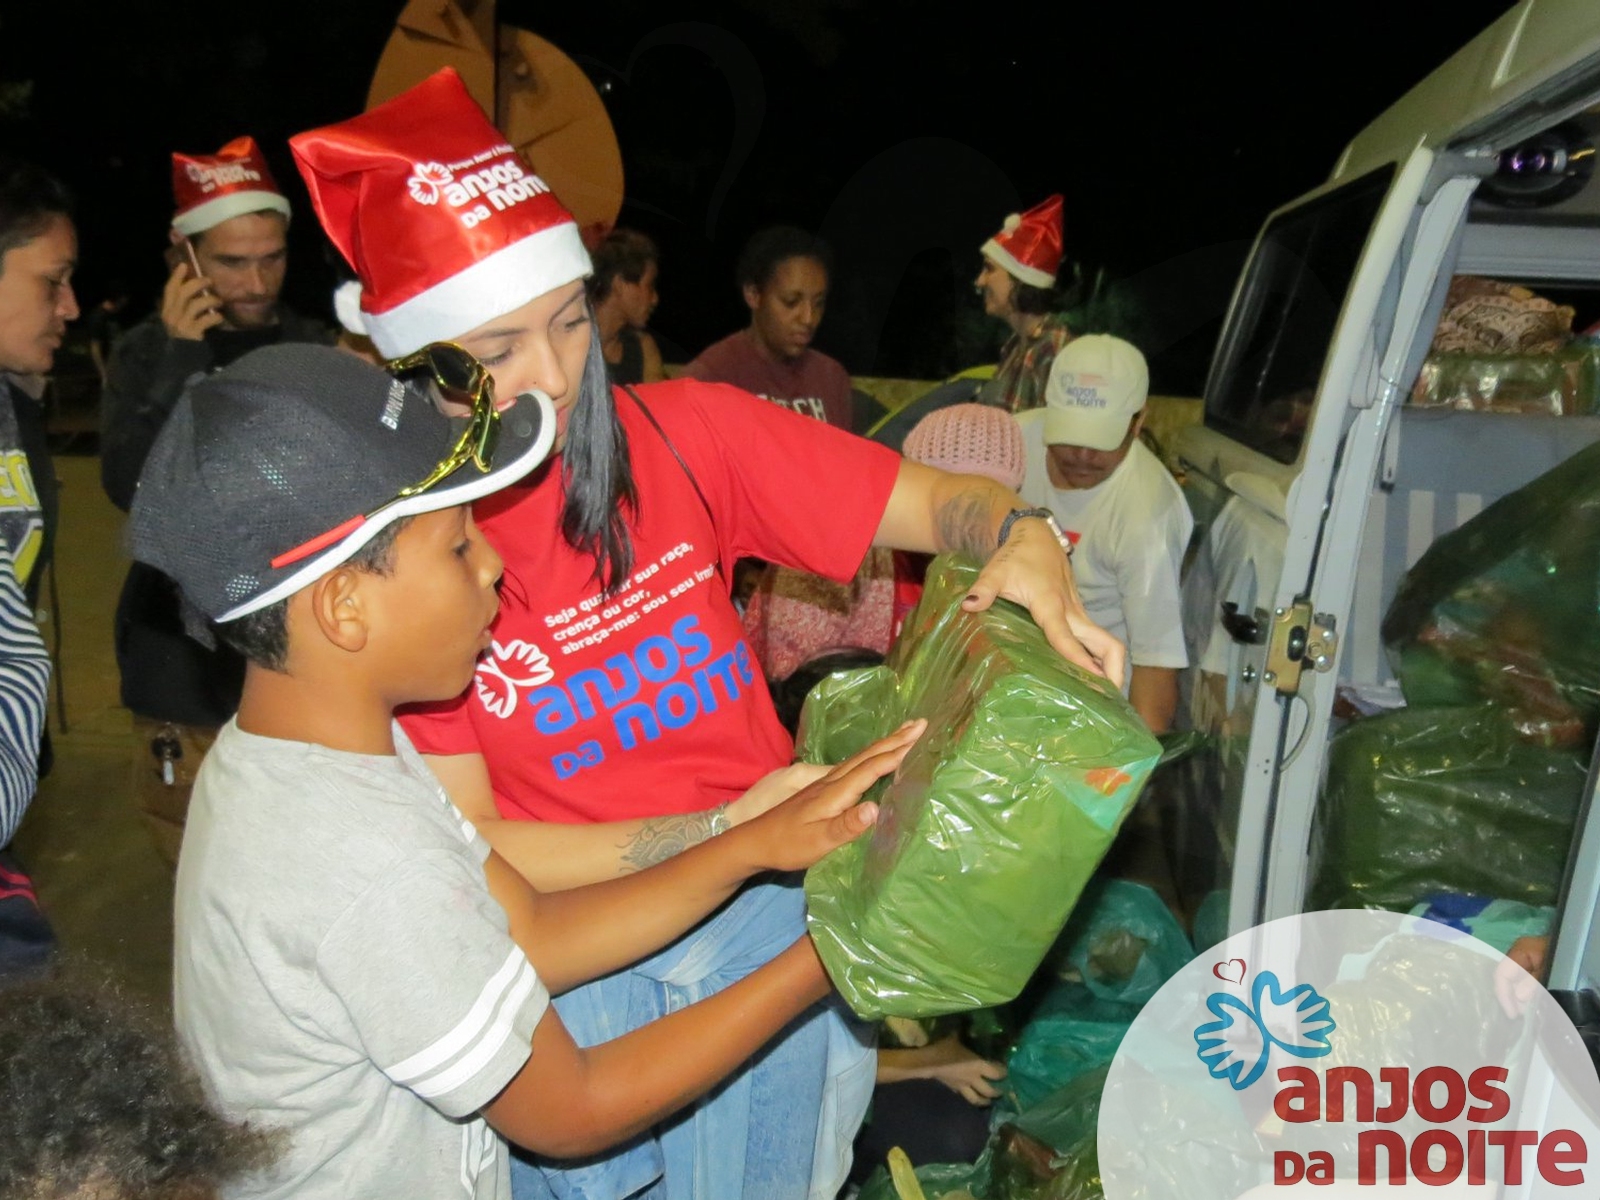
{"points": [[1097, 385]]}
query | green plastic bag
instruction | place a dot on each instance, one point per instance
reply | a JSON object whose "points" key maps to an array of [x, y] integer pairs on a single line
{"points": [[939, 1181], [1424, 801], [1124, 942], [1073, 1033], [1121, 944], [1049, 1151], [1507, 609], [995, 821]]}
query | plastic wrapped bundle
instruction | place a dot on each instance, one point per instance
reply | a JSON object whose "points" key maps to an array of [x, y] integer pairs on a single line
{"points": [[1424, 801], [1507, 609], [1560, 384], [995, 821], [1049, 1151], [1120, 946]]}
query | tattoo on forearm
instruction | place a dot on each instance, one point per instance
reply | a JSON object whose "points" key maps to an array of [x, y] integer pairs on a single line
{"points": [[965, 524], [659, 838]]}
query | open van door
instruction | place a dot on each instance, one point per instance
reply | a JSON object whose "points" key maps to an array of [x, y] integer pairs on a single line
{"points": [[1308, 371], [1300, 479]]}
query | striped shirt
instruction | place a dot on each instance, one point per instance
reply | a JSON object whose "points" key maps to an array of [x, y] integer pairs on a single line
{"points": [[24, 681]]}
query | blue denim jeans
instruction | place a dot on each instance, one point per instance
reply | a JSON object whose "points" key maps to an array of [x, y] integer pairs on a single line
{"points": [[779, 1129]]}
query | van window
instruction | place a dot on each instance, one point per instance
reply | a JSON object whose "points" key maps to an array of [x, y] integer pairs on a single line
{"points": [[1271, 356]]}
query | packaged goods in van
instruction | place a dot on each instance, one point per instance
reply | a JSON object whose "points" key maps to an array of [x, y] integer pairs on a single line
{"points": [[994, 823], [1426, 801], [1489, 316], [1504, 609], [1560, 383]]}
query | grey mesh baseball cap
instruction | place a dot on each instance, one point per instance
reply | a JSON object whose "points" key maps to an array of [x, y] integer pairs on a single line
{"points": [[294, 446]]}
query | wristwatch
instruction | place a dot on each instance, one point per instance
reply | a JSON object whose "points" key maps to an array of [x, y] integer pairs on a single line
{"points": [[1045, 515], [719, 820]]}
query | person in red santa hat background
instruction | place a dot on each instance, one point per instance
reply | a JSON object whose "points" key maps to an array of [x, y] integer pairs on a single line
{"points": [[617, 716], [1018, 285], [228, 255]]}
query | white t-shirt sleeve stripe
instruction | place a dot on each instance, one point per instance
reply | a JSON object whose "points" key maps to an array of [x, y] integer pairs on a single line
{"points": [[478, 1020], [466, 1068]]}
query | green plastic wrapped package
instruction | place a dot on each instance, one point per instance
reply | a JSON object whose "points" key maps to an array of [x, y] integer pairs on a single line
{"points": [[1124, 941], [994, 822], [936, 1181], [1072, 1033], [1049, 1151], [1561, 383], [1424, 801], [1120, 946], [1505, 609]]}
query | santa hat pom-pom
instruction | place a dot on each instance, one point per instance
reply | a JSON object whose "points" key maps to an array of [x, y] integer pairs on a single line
{"points": [[347, 306], [1011, 223]]}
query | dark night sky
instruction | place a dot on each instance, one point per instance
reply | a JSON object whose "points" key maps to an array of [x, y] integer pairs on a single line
{"points": [[903, 136]]}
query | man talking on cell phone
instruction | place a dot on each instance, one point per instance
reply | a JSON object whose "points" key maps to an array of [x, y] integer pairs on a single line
{"points": [[227, 255]]}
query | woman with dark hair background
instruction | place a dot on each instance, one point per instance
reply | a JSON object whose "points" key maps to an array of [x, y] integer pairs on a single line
{"points": [[622, 293], [783, 275], [617, 717]]}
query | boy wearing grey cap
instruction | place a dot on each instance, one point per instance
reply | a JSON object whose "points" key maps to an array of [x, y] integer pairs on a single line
{"points": [[353, 964]]}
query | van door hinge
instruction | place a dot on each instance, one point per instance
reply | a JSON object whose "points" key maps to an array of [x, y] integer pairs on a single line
{"points": [[1298, 639]]}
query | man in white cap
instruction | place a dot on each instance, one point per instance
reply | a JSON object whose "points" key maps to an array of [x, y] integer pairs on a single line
{"points": [[1120, 507], [228, 252], [1017, 284]]}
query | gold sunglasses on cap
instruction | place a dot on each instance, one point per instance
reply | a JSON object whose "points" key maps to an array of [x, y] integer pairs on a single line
{"points": [[461, 380]]}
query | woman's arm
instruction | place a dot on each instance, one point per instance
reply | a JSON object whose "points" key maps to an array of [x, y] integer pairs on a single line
{"points": [[935, 512], [554, 857], [582, 933]]}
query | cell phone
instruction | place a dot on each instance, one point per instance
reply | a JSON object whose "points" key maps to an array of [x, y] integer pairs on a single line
{"points": [[194, 259], [194, 265]]}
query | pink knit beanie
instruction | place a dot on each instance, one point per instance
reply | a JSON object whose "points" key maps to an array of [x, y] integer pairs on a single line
{"points": [[970, 439]]}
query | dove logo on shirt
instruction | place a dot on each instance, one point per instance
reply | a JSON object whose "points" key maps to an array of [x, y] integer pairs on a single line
{"points": [[508, 670]]}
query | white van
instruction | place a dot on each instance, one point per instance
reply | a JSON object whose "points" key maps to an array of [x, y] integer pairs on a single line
{"points": [[1315, 486]]}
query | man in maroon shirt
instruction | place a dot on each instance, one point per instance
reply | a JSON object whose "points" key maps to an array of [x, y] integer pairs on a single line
{"points": [[783, 274]]}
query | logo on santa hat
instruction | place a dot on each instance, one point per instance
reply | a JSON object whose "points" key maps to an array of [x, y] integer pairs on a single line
{"points": [[429, 177], [211, 178]]}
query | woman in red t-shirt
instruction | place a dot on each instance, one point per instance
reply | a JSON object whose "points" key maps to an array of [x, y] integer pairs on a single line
{"points": [[617, 717]]}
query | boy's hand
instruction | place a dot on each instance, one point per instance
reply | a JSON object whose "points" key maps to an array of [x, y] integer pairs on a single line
{"points": [[826, 814], [773, 789], [965, 1073]]}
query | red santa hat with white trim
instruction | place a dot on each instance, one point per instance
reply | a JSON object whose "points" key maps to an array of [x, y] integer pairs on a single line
{"points": [[213, 188], [444, 224], [1028, 246]]}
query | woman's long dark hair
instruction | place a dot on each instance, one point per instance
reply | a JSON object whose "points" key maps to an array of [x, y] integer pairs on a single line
{"points": [[598, 476]]}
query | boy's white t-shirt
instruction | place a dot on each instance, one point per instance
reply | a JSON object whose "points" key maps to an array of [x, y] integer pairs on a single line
{"points": [[1130, 533], [342, 973]]}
